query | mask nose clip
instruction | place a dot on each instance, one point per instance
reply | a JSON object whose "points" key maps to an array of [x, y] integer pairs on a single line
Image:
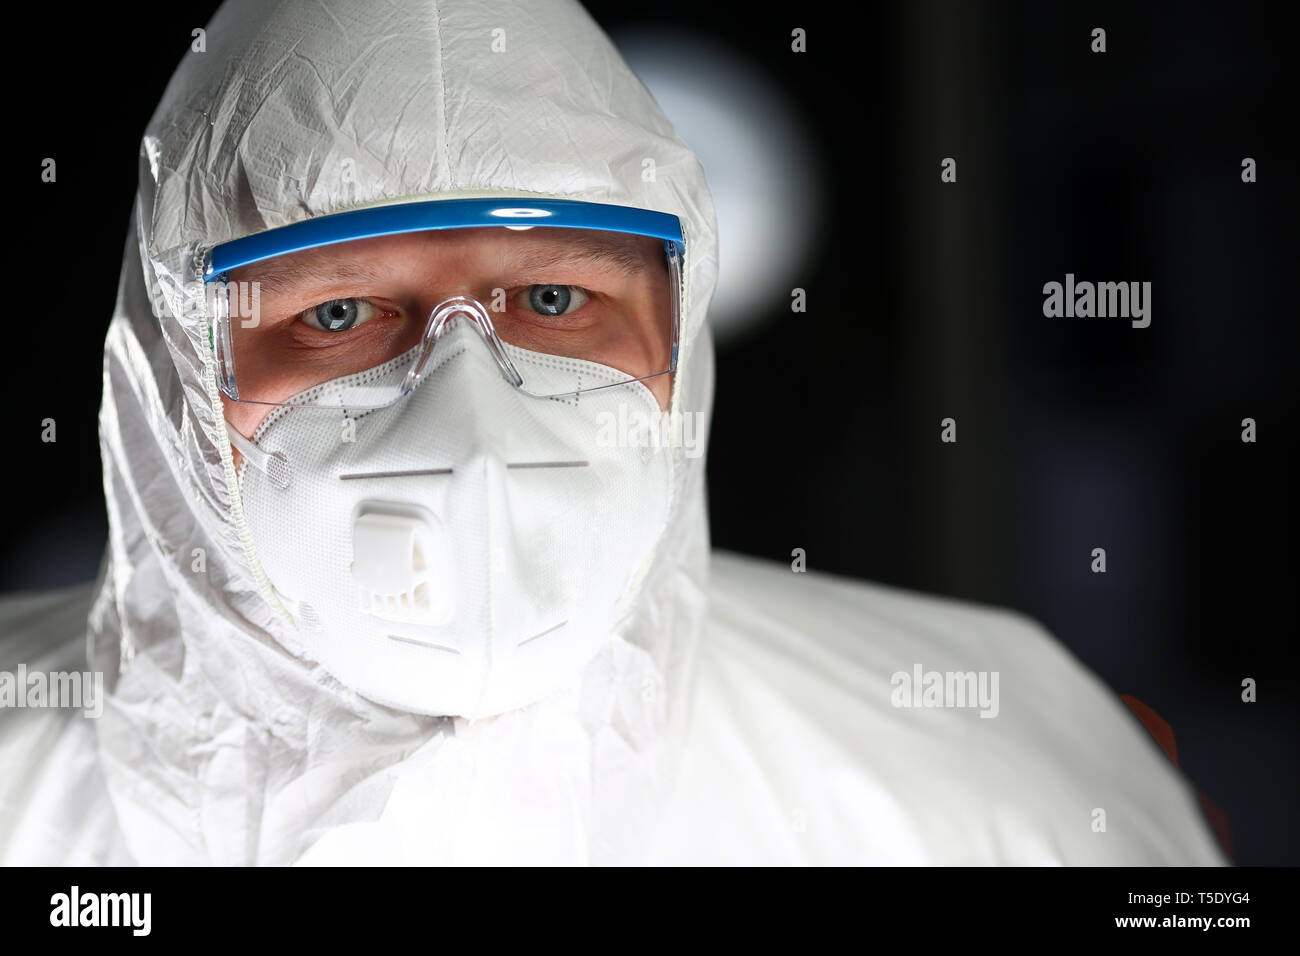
{"points": [[439, 323]]}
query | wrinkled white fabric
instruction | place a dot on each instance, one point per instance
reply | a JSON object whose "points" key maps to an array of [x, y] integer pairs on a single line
{"points": [[795, 753], [54, 806], [222, 742], [799, 755]]}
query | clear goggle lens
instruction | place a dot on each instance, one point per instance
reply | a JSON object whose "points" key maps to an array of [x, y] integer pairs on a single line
{"points": [[358, 322]]}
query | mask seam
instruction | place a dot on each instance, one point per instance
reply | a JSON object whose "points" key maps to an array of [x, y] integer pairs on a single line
{"points": [[279, 409]]}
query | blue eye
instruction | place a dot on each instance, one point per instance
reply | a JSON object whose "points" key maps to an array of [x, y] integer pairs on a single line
{"points": [[339, 315], [554, 300]]}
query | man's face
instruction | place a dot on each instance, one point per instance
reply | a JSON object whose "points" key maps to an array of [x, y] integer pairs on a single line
{"points": [[335, 310]]}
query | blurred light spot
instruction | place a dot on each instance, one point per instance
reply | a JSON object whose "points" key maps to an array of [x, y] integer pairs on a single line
{"points": [[757, 158]]}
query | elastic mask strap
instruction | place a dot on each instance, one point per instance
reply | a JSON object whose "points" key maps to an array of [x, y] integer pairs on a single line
{"points": [[274, 466]]}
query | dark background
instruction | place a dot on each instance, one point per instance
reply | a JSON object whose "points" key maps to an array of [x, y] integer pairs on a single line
{"points": [[924, 302]]}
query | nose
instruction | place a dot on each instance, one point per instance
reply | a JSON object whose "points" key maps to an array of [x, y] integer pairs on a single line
{"points": [[481, 291], [441, 320]]}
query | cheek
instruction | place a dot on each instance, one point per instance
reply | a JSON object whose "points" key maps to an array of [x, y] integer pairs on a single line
{"points": [[661, 386], [244, 418]]}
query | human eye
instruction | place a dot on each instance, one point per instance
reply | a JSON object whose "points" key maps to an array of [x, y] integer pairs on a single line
{"points": [[339, 315], [554, 301]]}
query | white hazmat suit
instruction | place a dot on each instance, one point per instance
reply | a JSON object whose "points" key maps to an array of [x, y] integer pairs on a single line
{"points": [[742, 713]]}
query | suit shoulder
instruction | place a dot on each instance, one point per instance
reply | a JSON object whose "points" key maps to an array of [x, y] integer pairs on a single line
{"points": [[967, 729]]}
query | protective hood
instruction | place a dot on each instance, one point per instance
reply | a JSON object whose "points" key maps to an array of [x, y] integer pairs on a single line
{"points": [[221, 741]]}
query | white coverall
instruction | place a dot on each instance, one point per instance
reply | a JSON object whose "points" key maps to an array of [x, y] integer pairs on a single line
{"points": [[744, 714]]}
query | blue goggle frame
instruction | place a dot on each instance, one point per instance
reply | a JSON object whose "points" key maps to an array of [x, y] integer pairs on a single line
{"points": [[438, 214]]}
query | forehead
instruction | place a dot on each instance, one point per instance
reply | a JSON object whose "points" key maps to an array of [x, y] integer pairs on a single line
{"points": [[488, 247]]}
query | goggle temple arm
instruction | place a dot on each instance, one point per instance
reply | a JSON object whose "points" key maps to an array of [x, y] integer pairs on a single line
{"points": [[219, 309]]}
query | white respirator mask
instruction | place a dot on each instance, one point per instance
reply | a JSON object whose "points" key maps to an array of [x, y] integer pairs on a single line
{"points": [[466, 550]]}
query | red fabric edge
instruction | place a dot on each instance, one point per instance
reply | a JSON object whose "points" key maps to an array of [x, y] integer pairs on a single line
{"points": [[1159, 728]]}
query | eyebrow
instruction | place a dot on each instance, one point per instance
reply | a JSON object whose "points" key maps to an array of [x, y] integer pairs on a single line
{"points": [[274, 276], [615, 251]]}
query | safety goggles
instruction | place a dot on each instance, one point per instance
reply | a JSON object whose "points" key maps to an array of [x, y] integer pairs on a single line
{"points": [[353, 309]]}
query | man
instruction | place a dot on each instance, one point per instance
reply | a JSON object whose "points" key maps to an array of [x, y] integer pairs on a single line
{"points": [[408, 555]]}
